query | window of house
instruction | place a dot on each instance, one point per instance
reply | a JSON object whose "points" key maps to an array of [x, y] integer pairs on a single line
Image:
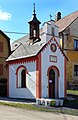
{"points": [[23, 78], [1, 69], [75, 70], [75, 44], [1, 47], [53, 31], [15, 45]]}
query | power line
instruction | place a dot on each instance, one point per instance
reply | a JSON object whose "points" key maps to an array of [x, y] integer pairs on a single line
{"points": [[15, 32]]}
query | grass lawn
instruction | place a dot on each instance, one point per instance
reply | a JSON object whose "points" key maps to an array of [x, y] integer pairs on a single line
{"points": [[42, 108], [74, 92]]}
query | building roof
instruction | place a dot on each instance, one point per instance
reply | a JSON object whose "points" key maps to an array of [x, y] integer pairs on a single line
{"points": [[22, 48], [18, 42], [34, 18], [66, 21], [26, 50]]}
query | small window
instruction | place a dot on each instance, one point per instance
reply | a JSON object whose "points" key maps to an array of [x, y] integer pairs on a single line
{"points": [[1, 47], [23, 78], [76, 44], [15, 45], [34, 32], [53, 31], [75, 70], [1, 69]]}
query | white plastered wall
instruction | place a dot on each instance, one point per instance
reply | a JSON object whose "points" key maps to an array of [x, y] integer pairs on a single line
{"points": [[46, 34], [30, 90], [46, 64]]}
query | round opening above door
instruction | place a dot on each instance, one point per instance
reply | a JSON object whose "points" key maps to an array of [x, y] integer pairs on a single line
{"points": [[53, 47]]}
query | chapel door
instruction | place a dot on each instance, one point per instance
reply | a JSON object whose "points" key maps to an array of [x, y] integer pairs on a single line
{"points": [[51, 83]]}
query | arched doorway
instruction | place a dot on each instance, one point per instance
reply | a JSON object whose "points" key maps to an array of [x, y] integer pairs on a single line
{"points": [[51, 83]]}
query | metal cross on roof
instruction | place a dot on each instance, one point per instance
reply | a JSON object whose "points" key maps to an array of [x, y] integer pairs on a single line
{"points": [[50, 17]]}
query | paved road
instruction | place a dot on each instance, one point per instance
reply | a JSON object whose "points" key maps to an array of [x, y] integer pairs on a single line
{"points": [[11, 113]]}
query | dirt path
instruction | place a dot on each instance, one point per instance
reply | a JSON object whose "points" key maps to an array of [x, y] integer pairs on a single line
{"points": [[11, 113]]}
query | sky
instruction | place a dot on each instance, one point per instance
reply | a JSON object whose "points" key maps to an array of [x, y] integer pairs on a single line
{"points": [[15, 14]]}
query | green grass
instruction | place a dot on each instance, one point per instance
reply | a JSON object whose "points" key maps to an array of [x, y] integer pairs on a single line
{"points": [[41, 108], [74, 92]]}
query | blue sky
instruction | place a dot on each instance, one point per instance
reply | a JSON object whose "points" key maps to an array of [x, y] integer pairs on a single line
{"points": [[15, 14]]}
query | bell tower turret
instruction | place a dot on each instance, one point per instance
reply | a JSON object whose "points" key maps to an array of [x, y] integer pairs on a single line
{"points": [[34, 27]]}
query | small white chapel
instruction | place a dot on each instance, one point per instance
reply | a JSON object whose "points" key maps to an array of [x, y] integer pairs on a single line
{"points": [[37, 65]]}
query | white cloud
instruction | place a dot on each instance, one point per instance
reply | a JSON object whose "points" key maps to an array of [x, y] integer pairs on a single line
{"points": [[5, 15]]}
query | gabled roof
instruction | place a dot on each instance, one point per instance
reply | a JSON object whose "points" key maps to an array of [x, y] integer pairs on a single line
{"points": [[26, 50], [66, 21], [18, 42]]}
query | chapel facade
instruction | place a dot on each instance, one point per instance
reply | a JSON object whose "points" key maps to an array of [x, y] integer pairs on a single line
{"points": [[37, 67]]}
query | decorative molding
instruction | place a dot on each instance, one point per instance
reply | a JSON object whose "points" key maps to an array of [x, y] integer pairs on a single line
{"points": [[53, 67], [21, 66], [22, 60]]}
